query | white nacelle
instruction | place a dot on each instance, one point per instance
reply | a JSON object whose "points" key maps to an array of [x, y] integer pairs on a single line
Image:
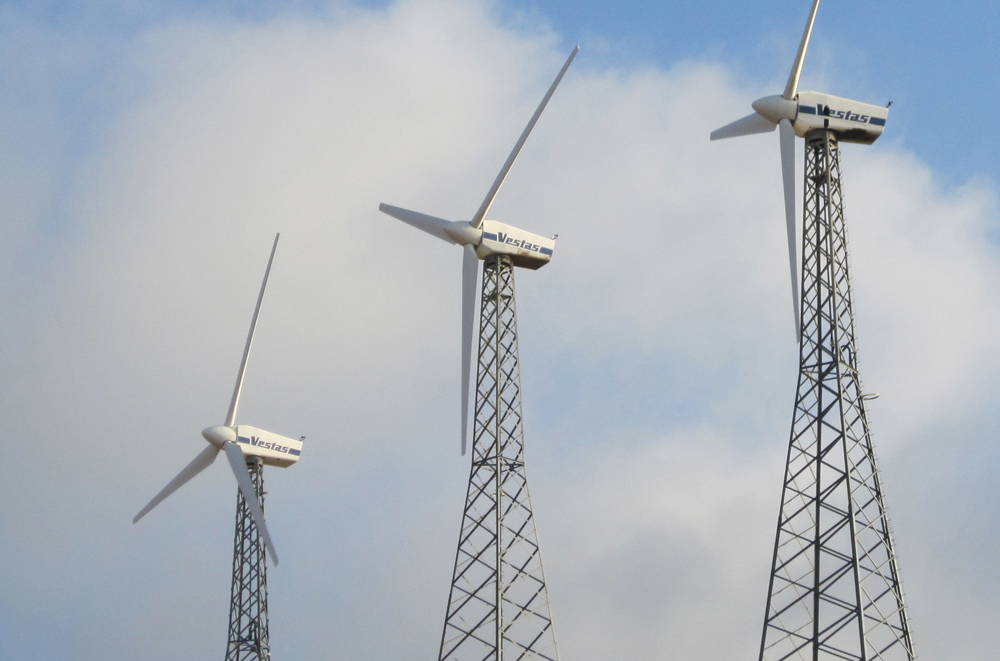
{"points": [[526, 250], [273, 449], [853, 121]]}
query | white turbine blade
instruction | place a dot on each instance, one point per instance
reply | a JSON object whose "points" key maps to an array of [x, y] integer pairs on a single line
{"points": [[749, 125], [787, 137], [470, 269], [484, 208], [238, 462], [233, 405], [197, 465], [429, 224], [792, 87]]}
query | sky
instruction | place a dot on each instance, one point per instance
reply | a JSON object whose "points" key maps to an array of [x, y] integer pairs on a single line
{"points": [[150, 151]]}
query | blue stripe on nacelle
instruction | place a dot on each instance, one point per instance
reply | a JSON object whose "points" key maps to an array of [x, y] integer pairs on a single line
{"points": [[546, 251], [809, 110], [877, 121], [491, 237]]}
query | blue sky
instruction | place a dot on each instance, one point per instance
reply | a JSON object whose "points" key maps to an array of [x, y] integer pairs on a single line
{"points": [[936, 61], [150, 150]]}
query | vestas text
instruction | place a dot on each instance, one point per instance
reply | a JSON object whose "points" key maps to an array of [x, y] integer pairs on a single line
{"points": [[517, 243], [266, 445], [827, 111]]}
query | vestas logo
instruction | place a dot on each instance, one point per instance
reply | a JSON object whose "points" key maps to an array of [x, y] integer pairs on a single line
{"points": [[256, 442], [847, 115], [506, 239]]}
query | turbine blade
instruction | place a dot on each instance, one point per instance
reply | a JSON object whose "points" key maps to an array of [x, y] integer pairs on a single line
{"points": [[233, 405], [792, 87], [238, 462], [787, 137], [484, 208], [429, 224], [470, 269], [749, 125], [197, 465]]}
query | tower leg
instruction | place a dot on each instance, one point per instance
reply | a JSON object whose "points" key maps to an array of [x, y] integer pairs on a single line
{"points": [[834, 591], [498, 608], [248, 633]]}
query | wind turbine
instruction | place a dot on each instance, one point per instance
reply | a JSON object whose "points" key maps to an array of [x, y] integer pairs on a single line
{"points": [[797, 113], [247, 449], [834, 589], [498, 596]]}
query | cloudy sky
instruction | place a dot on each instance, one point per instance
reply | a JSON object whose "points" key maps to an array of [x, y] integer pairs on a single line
{"points": [[150, 151]]}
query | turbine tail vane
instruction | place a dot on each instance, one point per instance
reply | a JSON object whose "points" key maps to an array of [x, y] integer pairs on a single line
{"points": [[792, 87], [484, 208], [233, 405]]}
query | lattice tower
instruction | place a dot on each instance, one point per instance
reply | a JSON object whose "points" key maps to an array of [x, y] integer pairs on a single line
{"points": [[498, 608], [248, 632], [834, 591]]}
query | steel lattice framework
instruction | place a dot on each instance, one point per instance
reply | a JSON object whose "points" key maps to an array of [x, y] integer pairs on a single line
{"points": [[834, 591], [248, 632], [498, 608]]}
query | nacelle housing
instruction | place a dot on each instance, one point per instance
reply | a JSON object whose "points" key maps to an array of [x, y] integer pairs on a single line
{"points": [[852, 121], [273, 449], [525, 249]]}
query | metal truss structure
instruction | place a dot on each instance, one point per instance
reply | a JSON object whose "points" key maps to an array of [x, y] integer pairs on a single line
{"points": [[248, 632], [834, 591], [498, 608]]}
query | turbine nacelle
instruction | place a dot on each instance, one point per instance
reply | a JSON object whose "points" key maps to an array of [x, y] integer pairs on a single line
{"points": [[273, 449], [851, 121], [526, 249]]}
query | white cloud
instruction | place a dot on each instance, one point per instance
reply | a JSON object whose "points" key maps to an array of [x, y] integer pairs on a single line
{"points": [[658, 358]]}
